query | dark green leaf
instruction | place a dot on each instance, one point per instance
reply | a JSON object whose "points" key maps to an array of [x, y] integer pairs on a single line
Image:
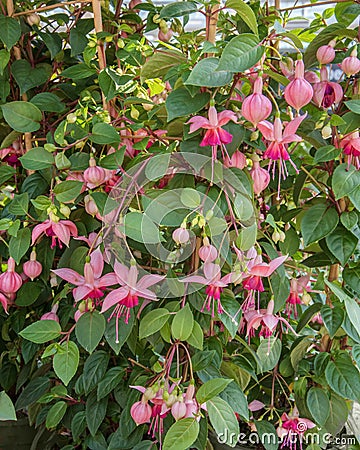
{"points": [[342, 244], [241, 53], [78, 72], [46, 101], [95, 369], [89, 330], [55, 414], [343, 377], [41, 331], [345, 179], [67, 191], [95, 412], [66, 362], [112, 379], [37, 159], [318, 221], [181, 434], [327, 153], [153, 322], [205, 74], [224, 421], [22, 116], [245, 12], [180, 103], [211, 388], [319, 405], [33, 391], [20, 244], [182, 324], [103, 133], [10, 31], [333, 318]]}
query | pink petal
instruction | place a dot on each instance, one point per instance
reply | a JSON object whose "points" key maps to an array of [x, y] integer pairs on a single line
{"points": [[293, 125], [79, 293], [114, 297], [139, 388], [107, 280], [267, 130], [275, 263], [70, 275], [225, 137], [212, 271], [145, 293], [291, 138], [122, 272], [62, 232], [39, 229], [261, 270], [195, 279], [149, 280], [270, 321], [225, 116], [197, 122], [97, 263]]}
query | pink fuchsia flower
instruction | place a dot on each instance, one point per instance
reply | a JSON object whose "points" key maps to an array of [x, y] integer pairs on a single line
{"points": [[265, 319], [297, 286], [351, 148], [127, 296], [141, 412], [214, 285], [214, 135], [256, 107], [326, 53], [326, 92], [237, 160], [11, 154], [298, 92], [57, 229], [278, 141], [93, 240], [207, 252], [291, 429], [351, 64], [92, 284], [10, 281], [52, 314], [5, 301], [181, 235], [178, 410], [260, 176], [288, 69], [32, 268]]}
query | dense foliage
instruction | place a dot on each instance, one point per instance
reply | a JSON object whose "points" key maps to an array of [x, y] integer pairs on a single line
{"points": [[179, 223]]}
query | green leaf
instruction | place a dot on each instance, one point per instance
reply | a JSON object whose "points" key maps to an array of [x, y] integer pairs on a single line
{"points": [[95, 412], [89, 330], [116, 341], [68, 191], [235, 397], [94, 369], [267, 434], [20, 204], [55, 414], [153, 322], [78, 72], [177, 9], [37, 159], [66, 362], [22, 116], [211, 388], [160, 63], [180, 103], [46, 101], [343, 377], [182, 324], [140, 228], [243, 207], [28, 77], [269, 352], [6, 172], [318, 404], [338, 415], [10, 31], [181, 435], [104, 133], [342, 244], [196, 338], [7, 410], [190, 198], [4, 60], [317, 222], [345, 179], [41, 331], [326, 153], [78, 424], [353, 105], [223, 420], [29, 293], [245, 12], [110, 381], [157, 166], [349, 219], [356, 354], [52, 41], [20, 244], [241, 53], [33, 391], [352, 277], [205, 74], [333, 318]]}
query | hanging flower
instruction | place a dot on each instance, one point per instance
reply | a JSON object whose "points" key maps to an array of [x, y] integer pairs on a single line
{"points": [[326, 93], [256, 107], [298, 92], [57, 229], [351, 148], [291, 429]]}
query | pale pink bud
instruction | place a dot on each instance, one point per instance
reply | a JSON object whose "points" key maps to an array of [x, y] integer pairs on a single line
{"points": [[191, 409], [52, 314], [298, 92], [94, 175], [181, 235], [351, 64], [260, 176], [237, 160], [90, 205], [165, 37], [133, 4], [326, 53], [208, 253], [10, 281], [190, 392], [4, 301], [32, 268], [178, 410], [141, 412], [256, 107]]}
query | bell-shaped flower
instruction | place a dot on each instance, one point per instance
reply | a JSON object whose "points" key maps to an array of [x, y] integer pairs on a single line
{"points": [[256, 107], [298, 92], [58, 230], [291, 429], [351, 148], [326, 93]]}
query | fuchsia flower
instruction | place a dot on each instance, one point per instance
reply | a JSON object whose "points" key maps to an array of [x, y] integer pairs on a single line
{"points": [[214, 135], [326, 53], [256, 107], [237, 160], [264, 318], [207, 252], [351, 148], [292, 428], [260, 177], [141, 412], [94, 175], [92, 283], [298, 92], [5, 302], [297, 286], [288, 69], [56, 229], [52, 314], [214, 285], [278, 140], [10, 281], [326, 92], [32, 268], [351, 64], [181, 235], [127, 296]]}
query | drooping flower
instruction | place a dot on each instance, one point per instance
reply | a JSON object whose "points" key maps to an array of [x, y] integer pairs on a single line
{"points": [[91, 284], [326, 53], [214, 285], [10, 281], [57, 229], [256, 107], [237, 160], [214, 135], [326, 93], [127, 296], [287, 67], [291, 429], [94, 175], [351, 148], [207, 252], [278, 141], [52, 314], [32, 268], [181, 235], [298, 92], [351, 64], [260, 176], [141, 412], [297, 286]]}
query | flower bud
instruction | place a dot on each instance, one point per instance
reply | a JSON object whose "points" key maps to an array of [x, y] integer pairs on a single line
{"points": [[237, 160], [208, 253], [178, 410], [326, 132], [10, 281], [165, 37], [90, 205], [133, 4], [71, 118], [256, 107], [306, 298], [141, 412], [94, 175], [260, 176], [326, 53], [181, 235], [52, 314], [33, 19], [32, 268], [298, 92], [351, 64], [282, 236], [65, 210], [276, 236]]}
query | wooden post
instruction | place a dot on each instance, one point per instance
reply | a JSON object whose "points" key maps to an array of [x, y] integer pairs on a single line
{"points": [[96, 6]]}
